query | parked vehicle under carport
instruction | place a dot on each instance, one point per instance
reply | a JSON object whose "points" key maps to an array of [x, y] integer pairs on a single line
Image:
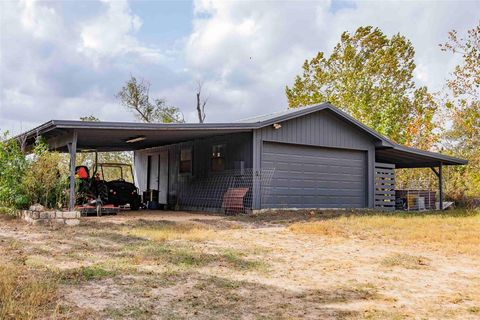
{"points": [[109, 188]]}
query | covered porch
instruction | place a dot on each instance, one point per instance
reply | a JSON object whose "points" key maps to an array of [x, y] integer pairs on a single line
{"points": [[390, 196]]}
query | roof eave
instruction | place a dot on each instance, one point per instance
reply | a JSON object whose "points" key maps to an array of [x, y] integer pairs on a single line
{"points": [[444, 159]]}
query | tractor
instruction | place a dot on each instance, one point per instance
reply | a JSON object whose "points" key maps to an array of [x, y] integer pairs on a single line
{"points": [[110, 187]]}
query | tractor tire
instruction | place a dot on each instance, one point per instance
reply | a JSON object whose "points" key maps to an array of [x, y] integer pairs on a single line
{"points": [[135, 205], [102, 192]]}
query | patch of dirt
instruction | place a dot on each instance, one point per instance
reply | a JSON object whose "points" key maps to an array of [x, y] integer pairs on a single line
{"points": [[297, 275], [153, 215]]}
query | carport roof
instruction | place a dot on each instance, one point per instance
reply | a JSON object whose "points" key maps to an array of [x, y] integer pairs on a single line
{"points": [[113, 136]]}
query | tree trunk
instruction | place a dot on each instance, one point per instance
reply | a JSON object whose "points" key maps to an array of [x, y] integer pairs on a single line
{"points": [[201, 116]]}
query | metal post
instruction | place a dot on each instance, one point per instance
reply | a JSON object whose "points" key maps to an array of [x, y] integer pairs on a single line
{"points": [[72, 149], [440, 186]]}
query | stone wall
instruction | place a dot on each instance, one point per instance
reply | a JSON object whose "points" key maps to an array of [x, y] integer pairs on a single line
{"points": [[39, 215]]}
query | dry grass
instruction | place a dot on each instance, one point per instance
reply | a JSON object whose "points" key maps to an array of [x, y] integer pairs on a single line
{"points": [[457, 232], [24, 293], [169, 231], [407, 261], [378, 266]]}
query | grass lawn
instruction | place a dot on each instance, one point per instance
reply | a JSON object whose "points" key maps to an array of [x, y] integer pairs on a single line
{"points": [[279, 265]]}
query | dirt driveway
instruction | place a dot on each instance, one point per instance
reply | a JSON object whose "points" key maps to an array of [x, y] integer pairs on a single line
{"points": [[155, 215]]}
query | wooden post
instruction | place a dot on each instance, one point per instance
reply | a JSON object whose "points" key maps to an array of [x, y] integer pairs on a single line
{"points": [[72, 149]]}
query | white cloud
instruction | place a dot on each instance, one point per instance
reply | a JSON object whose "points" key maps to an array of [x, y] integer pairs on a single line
{"points": [[111, 34], [43, 75], [42, 21], [58, 66], [248, 51]]}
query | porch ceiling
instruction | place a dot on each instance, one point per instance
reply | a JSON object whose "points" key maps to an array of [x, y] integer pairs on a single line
{"points": [[101, 137]]}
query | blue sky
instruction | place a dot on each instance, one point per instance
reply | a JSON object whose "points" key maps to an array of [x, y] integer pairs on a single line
{"points": [[64, 60]]}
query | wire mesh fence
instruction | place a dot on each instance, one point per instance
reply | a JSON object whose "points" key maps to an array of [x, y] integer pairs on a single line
{"points": [[415, 196], [230, 191]]}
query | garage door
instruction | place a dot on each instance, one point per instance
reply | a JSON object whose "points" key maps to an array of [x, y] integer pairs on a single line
{"points": [[314, 177]]}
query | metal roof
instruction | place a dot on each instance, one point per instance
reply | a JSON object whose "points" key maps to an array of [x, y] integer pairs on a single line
{"points": [[112, 136]]}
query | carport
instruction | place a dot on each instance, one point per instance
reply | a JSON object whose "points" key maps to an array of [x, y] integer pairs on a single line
{"points": [[82, 136], [311, 157]]}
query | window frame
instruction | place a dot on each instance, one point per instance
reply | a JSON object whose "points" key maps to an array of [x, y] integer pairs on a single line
{"points": [[182, 170], [221, 156]]}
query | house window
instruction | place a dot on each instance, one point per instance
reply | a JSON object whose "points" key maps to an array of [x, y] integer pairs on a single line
{"points": [[218, 157], [186, 160]]}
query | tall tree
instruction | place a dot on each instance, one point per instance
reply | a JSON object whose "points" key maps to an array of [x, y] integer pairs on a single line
{"points": [[135, 96], [463, 137], [370, 76]]}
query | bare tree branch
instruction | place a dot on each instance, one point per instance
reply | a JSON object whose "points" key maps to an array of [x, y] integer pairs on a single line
{"points": [[201, 103]]}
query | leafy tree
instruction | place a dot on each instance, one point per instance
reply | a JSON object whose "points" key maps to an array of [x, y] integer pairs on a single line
{"points": [[463, 137], [370, 76], [135, 97]]}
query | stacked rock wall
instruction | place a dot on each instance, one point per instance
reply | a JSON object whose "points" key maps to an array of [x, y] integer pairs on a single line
{"points": [[37, 214]]}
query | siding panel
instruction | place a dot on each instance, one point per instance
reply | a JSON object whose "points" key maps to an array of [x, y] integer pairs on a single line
{"points": [[322, 128]]}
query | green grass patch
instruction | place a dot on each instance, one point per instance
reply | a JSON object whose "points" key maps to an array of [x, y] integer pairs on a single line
{"points": [[88, 273], [238, 261]]}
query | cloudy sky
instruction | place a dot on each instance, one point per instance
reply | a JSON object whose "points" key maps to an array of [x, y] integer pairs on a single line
{"points": [[67, 59]]}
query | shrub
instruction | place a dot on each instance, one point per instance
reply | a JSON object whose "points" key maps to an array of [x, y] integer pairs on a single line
{"points": [[13, 165], [25, 180], [45, 180]]}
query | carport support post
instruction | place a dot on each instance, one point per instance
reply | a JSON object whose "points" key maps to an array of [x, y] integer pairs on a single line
{"points": [[72, 149], [440, 184]]}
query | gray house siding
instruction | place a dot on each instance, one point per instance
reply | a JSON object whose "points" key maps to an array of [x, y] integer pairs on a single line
{"points": [[319, 129], [238, 147]]}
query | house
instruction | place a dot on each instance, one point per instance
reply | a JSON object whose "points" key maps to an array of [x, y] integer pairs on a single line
{"points": [[311, 157]]}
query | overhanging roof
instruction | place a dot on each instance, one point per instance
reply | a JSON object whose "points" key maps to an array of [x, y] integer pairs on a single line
{"points": [[113, 136], [405, 157]]}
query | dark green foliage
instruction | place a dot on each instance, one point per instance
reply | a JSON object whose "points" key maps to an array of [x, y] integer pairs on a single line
{"points": [[38, 178], [13, 165]]}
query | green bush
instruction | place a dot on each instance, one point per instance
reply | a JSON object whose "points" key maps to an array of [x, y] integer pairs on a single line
{"points": [[38, 178], [13, 166], [46, 180]]}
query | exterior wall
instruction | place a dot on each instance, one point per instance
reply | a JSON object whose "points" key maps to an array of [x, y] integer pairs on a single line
{"points": [[322, 128], [238, 147]]}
